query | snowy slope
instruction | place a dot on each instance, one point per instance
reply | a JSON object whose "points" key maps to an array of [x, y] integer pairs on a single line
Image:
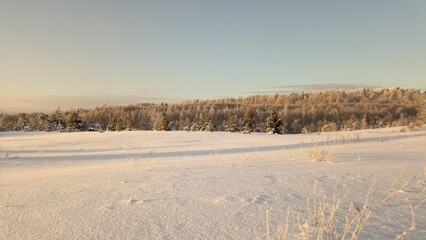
{"points": [[200, 185]]}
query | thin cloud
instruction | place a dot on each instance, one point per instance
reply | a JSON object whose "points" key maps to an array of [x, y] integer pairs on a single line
{"points": [[323, 86], [267, 92], [48, 103], [335, 79], [309, 88]]}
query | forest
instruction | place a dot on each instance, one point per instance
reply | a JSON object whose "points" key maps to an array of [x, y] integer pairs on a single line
{"points": [[327, 110]]}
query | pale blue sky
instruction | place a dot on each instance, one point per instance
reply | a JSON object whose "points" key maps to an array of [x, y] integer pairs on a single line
{"points": [[85, 53]]}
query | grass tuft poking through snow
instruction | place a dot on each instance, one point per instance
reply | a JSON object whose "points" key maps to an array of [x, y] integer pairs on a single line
{"points": [[325, 218], [319, 153]]}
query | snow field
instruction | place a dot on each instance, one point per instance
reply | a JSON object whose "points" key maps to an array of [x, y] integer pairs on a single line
{"points": [[200, 185]]}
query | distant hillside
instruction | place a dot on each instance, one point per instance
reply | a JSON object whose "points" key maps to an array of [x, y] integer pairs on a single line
{"points": [[327, 110]]}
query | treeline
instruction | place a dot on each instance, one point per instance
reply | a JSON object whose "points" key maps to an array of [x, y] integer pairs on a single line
{"points": [[329, 110]]}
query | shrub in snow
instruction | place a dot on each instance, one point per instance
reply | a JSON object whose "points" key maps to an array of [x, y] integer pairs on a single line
{"points": [[195, 127], [95, 127], [319, 154], [329, 127]]}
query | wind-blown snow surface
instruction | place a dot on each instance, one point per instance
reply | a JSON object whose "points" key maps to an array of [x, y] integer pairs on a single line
{"points": [[200, 185]]}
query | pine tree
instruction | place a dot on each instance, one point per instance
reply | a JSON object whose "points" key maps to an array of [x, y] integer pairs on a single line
{"points": [[56, 122], [274, 123], [23, 123], [207, 123], [249, 121], [364, 123], [231, 125], [130, 125], [111, 125], [165, 122], [42, 119], [162, 123], [50, 123], [119, 124], [73, 122]]}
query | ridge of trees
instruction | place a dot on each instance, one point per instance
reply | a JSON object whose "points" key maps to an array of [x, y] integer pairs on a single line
{"points": [[327, 110]]}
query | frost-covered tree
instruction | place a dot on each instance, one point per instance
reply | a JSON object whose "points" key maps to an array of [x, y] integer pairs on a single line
{"points": [[274, 123], [299, 112], [23, 124], [119, 124], [75, 123], [55, 122], [232, 124], [208, 123], [162, 123], [130, 125], [111, 125], [41, 121], [249, 121], [116, 123]]}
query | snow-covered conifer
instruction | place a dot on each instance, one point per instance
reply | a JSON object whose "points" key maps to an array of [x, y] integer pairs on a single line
{"points": [[249, 121], [274, 123]]}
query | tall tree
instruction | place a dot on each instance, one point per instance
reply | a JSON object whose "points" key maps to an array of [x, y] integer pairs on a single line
{"points": [[74, 123], [23, 123], [249, 121], [274, 123], [232, 124], [162, 123]]}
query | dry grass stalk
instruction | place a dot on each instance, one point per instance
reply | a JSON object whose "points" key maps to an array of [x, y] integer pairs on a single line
{"points": [[364, 213], [320, 221], [283, 231], [318, 153], [398, 185], [268, 236], [412, 228], [325, 219]]}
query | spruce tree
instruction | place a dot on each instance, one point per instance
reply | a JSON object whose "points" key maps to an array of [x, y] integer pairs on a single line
{"points": [[56, 122], [73, 122], [165, 122], [111, 125], [162, 123], [23, 123], [274, 123], [231, 125], [119, 124], [42, 119], [207, 123], [249, 121], [51, 123]]}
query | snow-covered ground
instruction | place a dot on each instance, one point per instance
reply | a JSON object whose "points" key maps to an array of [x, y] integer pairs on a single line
{"points": [[200, 185]]}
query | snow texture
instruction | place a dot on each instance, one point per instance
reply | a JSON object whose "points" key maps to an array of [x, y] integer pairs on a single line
{"points": [[202, 185]]}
